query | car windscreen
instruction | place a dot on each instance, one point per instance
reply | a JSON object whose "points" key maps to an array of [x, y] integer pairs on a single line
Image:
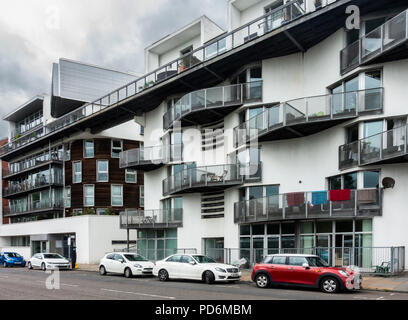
{"points": [[12, 255], [204, 259], [52, 256], [135, 257], [317, 262]]}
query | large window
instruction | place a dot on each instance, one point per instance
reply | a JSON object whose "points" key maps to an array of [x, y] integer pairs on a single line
{"points": [[117, 148], [371, 179], [102, 170], [68, 197], [77, 172], [117, 195], [89, 195], [131, 176], [157, 244], [89, 151]]}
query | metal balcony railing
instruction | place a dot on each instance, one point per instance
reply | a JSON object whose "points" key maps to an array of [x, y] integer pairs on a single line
{"points": [[309, 110], [211, 176], [32, 184], [216, 97], [151, 155], [380, 40], [32, 207], [380, 147], [214, 48], [309, 205], [165, 218]]}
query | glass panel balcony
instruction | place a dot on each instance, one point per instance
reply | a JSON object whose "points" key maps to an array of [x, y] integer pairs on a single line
{"points": [[303, 114], [33, 207], [216, 47], [211, 178], [32, 184], [380, 41], [309, 205], [151, 219], [151, 157], [386, 147], [221, 98]]}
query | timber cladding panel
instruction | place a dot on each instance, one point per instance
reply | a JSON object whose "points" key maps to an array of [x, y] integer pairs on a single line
{"points": [[102, 151]]}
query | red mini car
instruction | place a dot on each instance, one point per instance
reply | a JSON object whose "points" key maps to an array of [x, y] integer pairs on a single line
{"points": [[306, 271]]}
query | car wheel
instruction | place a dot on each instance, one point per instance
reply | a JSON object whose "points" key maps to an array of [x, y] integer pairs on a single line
{"points": [[5, 264], [30, 267], [43, 267], [262, 281], [209, 277], [163, 275], [329, 285], [128, 273], [102, 271]]}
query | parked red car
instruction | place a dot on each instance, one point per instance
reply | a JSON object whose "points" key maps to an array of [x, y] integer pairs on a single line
{"points": [[306, 271]]}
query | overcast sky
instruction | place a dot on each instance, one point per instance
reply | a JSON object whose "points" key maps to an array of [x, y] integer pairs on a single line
{"points": [[110, 33]]}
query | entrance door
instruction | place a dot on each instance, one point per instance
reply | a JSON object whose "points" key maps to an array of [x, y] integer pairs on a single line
{"points": [[273, 245], [323, 247], [258, 249], [39, 247], [344, 250]]}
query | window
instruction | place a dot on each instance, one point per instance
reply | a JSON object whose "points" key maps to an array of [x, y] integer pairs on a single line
{"points": [[117, 148], [68, 197], [89, 196], [371, 179], [102, 167], [117, 195], [174, 259], [101, 212], [131, 176], [279, 260], [77, 172], [141, 199], [89, 151], [297, 261], [187, 259], [68, 152]]}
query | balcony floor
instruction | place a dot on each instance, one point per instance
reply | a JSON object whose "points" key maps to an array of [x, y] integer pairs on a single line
{"points": [[153, 226], [210, 187]]}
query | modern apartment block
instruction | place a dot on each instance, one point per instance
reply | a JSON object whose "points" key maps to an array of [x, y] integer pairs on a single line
{"points": [[67, 192], [285, 132]]}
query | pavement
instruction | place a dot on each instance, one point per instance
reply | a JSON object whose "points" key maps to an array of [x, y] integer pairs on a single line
{"points": [[24, 284], [370, 282]]}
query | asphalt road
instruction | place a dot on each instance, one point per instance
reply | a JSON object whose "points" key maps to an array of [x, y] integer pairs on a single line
{"points": [[22, 284]]}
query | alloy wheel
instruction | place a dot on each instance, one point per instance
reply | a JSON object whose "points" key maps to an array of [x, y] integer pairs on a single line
{"points": [[262, 281], [330, 285]]}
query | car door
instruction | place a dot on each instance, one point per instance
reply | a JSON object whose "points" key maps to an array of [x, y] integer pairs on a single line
{"points": [[117, 265], [188, 270], [278, 269], [301, 274], [108, 262], [36, 261], [172, 266]]}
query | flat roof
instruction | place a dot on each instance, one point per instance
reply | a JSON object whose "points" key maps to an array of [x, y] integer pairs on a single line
{"points": [[25, 109]]}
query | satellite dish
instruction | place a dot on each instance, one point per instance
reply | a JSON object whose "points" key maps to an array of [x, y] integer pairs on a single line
{"points": [[388, 183]]}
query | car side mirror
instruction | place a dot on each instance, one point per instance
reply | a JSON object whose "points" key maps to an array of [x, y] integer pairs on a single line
{"points": [[306, 265], [121, 260], [192, 263]]}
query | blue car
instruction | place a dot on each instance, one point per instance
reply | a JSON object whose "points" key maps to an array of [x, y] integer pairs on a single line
{"points": [[11, 259]]}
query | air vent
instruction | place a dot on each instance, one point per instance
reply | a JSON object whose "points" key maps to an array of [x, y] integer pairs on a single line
{"points": [[212, 205]]}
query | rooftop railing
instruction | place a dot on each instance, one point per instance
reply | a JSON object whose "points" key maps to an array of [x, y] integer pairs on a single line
{"points": [[309, 205], [382, 39], [216, 97], [32, 184], [309, 110], [380, 147], [133, 218], [211, 176], [32, 207], [151, 155], [214, 48]]}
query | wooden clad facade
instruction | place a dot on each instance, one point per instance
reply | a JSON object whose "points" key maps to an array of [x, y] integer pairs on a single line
{"points": [[102, 151]]}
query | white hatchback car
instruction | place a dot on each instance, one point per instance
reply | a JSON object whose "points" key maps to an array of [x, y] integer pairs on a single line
{"points": [[195, 267], [47, 261], [128, 264]]}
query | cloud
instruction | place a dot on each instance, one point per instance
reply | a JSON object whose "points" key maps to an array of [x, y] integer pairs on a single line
{"points": [[110, 33]]}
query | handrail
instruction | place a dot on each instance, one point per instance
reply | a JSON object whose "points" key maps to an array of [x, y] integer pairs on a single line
{"points": [[151, 217], [32, 184], [33, 206], [224, 43], [310, 109]]}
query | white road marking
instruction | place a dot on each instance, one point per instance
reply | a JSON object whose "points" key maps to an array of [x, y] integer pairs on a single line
{"points": [[62, 284], [139, 294], [380, 298], [5, 277]]}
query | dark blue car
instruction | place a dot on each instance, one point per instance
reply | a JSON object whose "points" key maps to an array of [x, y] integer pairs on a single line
{"points": [[12, 259]]}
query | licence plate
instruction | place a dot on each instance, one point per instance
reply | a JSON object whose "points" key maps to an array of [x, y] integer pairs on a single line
{"points": [[235, 275], [17, 262]]}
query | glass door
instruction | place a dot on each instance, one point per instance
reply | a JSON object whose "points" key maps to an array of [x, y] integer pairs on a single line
{"points": [[258, 249], [343, 250], [323, 244], [273, 245]]}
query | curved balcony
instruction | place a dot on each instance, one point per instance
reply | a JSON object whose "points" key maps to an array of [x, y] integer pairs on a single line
{"points": [[211, 178], [151, 219], [151, 158], [307, 116], [33, 207], [210, 105], [383, 148], [385, 43], [309, 205]]}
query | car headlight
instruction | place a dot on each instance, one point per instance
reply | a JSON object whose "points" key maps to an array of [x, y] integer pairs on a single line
{"points": [[138, 266], [220, 270], [343, 273]]}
